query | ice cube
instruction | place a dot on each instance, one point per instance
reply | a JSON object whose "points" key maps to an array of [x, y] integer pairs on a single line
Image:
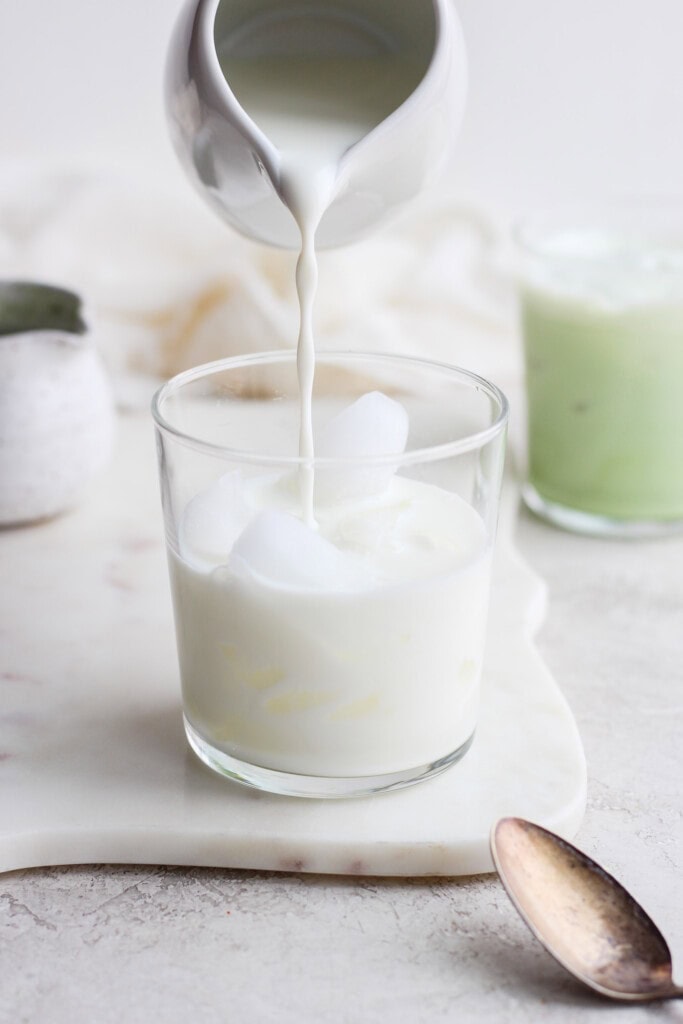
{"points": [[281, 550], [374, 425], [213, 520]]}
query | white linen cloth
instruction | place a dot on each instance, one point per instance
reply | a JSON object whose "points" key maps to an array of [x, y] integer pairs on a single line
{"points": [[167, 285]]}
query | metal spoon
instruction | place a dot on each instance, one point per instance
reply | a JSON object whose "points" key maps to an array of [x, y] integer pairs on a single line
{"points": [[582, 915]]}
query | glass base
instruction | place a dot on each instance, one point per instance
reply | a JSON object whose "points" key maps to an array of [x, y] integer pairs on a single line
{"points": [[594, 525], [316, 787]]}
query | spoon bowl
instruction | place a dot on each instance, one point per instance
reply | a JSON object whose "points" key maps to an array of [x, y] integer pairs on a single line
{"points": [[582, 915]]}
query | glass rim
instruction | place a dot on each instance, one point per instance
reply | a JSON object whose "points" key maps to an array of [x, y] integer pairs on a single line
{"points": [[471, 442], [531, 231]]}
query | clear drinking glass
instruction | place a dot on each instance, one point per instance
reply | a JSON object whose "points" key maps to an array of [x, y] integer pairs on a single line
{"points": [[343, 656], [602, 323]]}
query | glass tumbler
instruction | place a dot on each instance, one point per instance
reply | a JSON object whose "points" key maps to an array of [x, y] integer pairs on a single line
{"points": [[330, 648], [602, 323]]}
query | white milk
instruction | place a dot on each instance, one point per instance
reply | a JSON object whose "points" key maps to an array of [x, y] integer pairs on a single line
{"points": [[350, 645], [313, 110], [360, 657]]}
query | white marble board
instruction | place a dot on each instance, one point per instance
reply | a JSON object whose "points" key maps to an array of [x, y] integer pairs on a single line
{"points": [[93, 762]]}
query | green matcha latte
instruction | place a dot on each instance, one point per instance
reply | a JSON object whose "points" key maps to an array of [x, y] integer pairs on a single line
{"points": [[602, 320]]}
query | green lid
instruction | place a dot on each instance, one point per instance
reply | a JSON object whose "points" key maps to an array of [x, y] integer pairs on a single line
{"points": [[29, 306]]}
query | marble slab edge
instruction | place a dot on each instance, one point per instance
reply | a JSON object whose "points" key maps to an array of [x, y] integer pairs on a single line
{"points": [[194, 818]]}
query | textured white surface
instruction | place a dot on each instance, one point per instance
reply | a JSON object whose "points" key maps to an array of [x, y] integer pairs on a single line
{"points": [[133, 944], [95, 765]]}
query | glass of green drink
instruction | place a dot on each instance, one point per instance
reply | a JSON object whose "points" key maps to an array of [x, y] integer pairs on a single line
{"points": [[602, 321]]}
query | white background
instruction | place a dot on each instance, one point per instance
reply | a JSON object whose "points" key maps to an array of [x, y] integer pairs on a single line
{"points": [[567, 98]]}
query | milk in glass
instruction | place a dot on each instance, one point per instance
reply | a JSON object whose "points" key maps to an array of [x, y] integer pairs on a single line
{"points": [[329, 624]]}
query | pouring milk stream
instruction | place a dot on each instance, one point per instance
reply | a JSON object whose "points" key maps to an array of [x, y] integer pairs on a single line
{"points": [[337, 112], [304, 125]]}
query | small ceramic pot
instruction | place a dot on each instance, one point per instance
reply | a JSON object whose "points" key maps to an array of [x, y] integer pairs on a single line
{"points": [[56, 409]]}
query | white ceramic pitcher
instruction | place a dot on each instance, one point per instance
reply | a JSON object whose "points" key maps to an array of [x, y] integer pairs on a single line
{"points": [[237, 168]]}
